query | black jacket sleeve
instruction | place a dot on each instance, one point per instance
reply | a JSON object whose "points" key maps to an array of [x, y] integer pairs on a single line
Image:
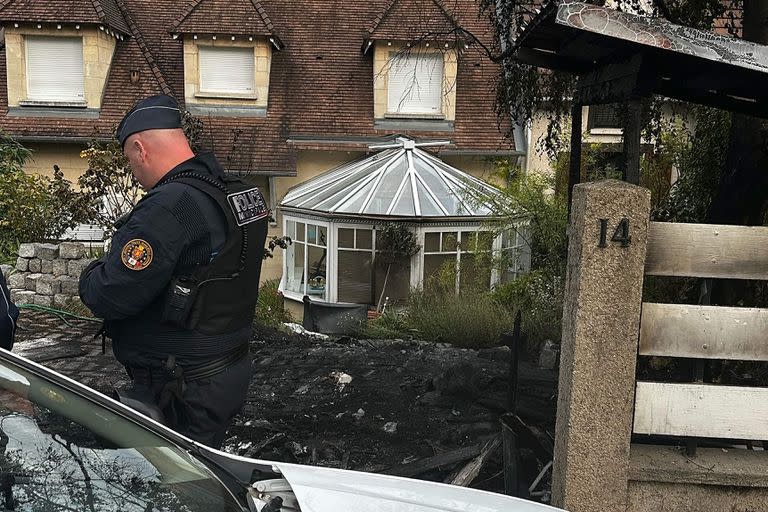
{"points": [[9, 313], [110, 287]]}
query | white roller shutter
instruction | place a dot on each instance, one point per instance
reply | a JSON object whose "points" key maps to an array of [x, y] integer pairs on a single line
{"points": [[55, 69], [227, 70], [416, 84]]}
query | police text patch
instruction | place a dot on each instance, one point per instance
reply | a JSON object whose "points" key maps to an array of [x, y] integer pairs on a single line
{"points": [[136, 254], [248, 206]]}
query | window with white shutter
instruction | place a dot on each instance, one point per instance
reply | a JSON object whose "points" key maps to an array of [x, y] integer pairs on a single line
{"points": [[55, 69], [228, 70], [415, 84]]}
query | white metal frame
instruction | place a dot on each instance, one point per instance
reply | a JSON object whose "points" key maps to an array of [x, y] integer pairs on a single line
{"points": [[330, 259], [419, 264], [335, 227]]}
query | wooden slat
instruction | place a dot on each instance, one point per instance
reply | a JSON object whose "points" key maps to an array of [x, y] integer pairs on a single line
{"points": [[705, 332], [701, 410], [707, 250]]}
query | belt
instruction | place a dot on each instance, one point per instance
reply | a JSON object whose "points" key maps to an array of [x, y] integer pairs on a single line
{"points": [[147, 375]]}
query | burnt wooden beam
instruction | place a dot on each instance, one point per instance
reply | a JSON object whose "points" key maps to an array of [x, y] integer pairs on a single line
{"points": [[420, 466], [466, 474]]}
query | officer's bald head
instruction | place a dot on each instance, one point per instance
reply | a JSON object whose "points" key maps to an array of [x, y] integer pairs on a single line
{"points": [[152, 153], [152, 138]]}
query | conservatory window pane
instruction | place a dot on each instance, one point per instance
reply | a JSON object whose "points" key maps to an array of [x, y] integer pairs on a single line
{"points": [[354, 276], [295, 267], [290, 229], [484, 240], [431, 242], [311, 234], [354, 203], [365, 239], [347, 238], [398, 283], [322, 237], [388, 187], [428, 205], [475, 272], [438, 187], [300, 231], [440, 269], [316, 261], [405, 205], [468, 241], [450, 241]]}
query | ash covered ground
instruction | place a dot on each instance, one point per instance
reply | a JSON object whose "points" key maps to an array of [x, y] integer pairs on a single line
{"points": [[391, 406]]}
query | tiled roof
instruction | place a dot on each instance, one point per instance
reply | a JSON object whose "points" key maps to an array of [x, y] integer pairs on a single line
{"points": [[321, 84], [243, 17], [104, 12], [412, 20]]}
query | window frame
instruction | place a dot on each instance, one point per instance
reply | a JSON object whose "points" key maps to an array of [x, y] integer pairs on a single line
{"points": [[202, 92], [77, 100], [396, 110], [337, 248], [330, 260], [496, 248]]}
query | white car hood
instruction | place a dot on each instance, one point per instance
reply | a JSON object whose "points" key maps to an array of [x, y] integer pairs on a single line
{"points": [[331, 490]]}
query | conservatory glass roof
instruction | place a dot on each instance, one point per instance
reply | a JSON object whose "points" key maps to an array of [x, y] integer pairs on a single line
{"points": [[402, 180]]}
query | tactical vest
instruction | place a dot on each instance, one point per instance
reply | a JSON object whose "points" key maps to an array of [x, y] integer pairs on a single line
{"points": [[221, 297]]}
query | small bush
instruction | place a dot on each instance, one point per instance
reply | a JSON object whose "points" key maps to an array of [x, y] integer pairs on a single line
{"points": [[270, 311], [33, 208], [391, 324], [539, 296], [472, 320]]}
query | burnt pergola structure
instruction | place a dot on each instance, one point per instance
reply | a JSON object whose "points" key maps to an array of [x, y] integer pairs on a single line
{"points": [[621, 57]]}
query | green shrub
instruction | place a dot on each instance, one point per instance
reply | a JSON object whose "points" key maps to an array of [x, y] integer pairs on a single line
{"points": [[472, 319], [270, 311], [538, 295], [33, 208], [393, 323]]}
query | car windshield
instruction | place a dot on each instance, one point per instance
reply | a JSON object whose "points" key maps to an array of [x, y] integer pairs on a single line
{"points": [[60, 451]]}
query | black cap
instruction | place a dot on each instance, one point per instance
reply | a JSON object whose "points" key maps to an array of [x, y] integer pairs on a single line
{"points": [[153, 113]]}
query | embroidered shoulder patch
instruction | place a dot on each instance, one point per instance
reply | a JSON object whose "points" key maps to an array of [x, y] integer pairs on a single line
{"points": [[248, 206], [136, 254]]}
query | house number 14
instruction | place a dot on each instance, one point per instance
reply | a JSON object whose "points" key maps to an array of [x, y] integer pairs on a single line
{"points": [[620, 234]]}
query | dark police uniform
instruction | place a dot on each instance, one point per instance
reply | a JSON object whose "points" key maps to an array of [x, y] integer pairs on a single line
{"points": [[178, 289], [9, 313]]}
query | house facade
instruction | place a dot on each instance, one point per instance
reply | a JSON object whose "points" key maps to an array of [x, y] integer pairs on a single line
{"points": [[286, 89]]}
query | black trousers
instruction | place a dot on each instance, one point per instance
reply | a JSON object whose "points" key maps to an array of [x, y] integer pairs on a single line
{"points": [[207, 405]]}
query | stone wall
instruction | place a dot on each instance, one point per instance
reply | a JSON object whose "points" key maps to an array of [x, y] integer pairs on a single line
{"points": [[47, 274]]}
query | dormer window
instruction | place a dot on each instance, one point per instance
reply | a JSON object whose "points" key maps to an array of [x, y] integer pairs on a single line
{"points": [[415, 84], [55, 69], [227, 71]]}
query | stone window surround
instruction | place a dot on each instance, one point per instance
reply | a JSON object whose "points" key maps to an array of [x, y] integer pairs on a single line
{"points": [[381, 59], [262, 64], [98, 50]]}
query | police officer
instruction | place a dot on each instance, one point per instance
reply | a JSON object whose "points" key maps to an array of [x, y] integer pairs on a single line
{"points": [[178, 288]]}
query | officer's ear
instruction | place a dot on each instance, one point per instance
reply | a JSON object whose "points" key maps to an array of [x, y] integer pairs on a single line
{"points": [[138, 148]]}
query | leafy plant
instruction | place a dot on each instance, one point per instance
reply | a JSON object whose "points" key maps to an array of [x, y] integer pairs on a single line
{"points": [[270, 310], [108, 183], [34, 208]]}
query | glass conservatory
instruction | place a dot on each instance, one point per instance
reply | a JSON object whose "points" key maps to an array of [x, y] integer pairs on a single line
{"points": [[332, 220]]}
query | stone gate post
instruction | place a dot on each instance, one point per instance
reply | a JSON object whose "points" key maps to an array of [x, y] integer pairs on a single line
{"points": [[601, 320]]}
